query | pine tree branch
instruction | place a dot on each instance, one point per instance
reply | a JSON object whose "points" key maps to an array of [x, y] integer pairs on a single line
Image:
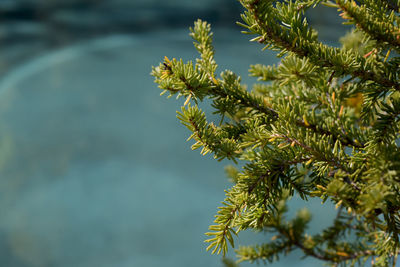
{"points": [[246, 99], [336, 163], [382, 31], [304, 132], [387, 121], [315, 153], [318, 53], [324, 256], [345, 140]]}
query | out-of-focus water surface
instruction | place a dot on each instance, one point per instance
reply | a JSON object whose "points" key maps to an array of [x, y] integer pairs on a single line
{"points": [[94, 166]]}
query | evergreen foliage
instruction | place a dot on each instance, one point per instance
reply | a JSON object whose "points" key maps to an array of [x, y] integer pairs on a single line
{"points": [[323, 123]]}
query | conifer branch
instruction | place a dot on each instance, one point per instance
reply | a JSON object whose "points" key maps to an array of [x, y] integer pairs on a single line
{"points": [[345, 140], [382, 30], [324, 123], [318, 53]]}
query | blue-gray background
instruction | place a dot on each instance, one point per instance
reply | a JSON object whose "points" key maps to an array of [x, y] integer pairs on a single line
{"points": [[94, 167]]}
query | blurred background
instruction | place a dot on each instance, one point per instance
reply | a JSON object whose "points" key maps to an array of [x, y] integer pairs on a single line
{"points": [[94, 167]]}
